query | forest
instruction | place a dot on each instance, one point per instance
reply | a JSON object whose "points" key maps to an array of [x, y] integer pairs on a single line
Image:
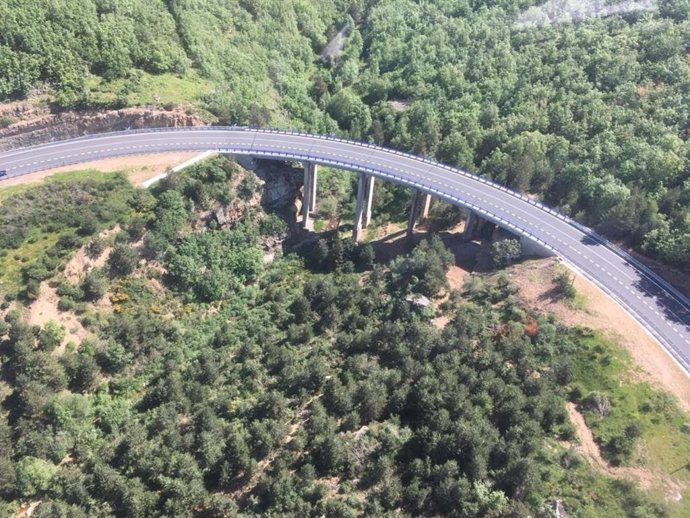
{"points": [[591, 116], [212, 380], [214, 384]]}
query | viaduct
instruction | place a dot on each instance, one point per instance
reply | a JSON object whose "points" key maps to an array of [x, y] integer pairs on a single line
{"points": [[661, 309]]}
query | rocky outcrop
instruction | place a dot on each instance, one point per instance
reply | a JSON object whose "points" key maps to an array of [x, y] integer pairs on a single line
{"points": [[282, 183], [37, 126]]}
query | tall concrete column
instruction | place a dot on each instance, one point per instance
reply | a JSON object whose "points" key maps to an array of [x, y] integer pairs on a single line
{"points": [[359, 206], [412, 219], [365, 197], [369, 193], [425, 208], [314, 174], [307, 201], [469, 225]]}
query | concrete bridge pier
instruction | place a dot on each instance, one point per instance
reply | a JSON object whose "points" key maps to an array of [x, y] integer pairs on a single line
{"points": [[470, 224], [414, 209], [425, 208], [311, 171], [363, 204], [369, 193]]}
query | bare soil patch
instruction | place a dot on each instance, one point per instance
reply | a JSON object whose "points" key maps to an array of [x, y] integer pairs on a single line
{"points": [[81, 264], [27, 509], [645, 477], [45, 309], [534, 279]]}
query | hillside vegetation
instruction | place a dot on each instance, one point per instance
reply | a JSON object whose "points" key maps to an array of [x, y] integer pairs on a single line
{"points": [[214, 385], [591, 116]]}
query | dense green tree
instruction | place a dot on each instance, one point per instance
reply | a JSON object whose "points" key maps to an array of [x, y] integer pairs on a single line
{"points": [[123, 260]]}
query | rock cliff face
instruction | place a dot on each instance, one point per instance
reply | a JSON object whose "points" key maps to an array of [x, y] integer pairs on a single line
{"points": [[37, 126]]}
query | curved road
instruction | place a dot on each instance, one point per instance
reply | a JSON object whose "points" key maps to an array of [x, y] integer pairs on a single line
{"points": [[662, 310]]}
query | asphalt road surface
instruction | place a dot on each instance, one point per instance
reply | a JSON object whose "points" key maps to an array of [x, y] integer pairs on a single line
{"points": [[663, 311]]}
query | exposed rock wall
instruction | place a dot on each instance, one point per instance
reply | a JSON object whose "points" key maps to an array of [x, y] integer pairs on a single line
{"points": [[38, 126]]}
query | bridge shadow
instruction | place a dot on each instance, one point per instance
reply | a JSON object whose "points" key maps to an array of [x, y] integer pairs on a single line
{"points": [[675, 309]]}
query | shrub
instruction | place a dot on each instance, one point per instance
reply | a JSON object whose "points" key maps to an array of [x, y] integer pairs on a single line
{"points": [[95, 248], [271, 225], [51, 335], [505, 252], [94, 285], [211, 264], [565, 284], [123, 260]]}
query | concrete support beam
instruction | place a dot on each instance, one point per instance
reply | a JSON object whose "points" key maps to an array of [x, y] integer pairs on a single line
{"points": [[425, 208], [359, 206], [307, 197], [365, 197], [369, 193], [470, 222], [412, 219], [314, 178]]}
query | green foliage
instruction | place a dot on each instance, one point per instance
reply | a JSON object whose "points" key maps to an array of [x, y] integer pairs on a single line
{"points": [[296, 379], [272, 225], [171, 214], [37, 225], [505, 252], [51, 335], [94, 285], [122, 262], [424, 270], [350, 112], [589, 116], [213, 264], [34, 475], [565, 284]]}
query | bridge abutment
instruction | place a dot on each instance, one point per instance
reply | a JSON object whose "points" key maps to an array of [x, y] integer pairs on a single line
{"points": [[533, 249]]}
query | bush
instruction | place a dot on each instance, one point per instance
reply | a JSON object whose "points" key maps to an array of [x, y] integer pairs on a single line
{"points": [[33, 289], [565, 284], [424, 270], [598, 403], [272, 225], [123, 260], [505, 252], [366, 257], [51, 336], [94, 285], [211, 264], [95, 248], [34, 475]]}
